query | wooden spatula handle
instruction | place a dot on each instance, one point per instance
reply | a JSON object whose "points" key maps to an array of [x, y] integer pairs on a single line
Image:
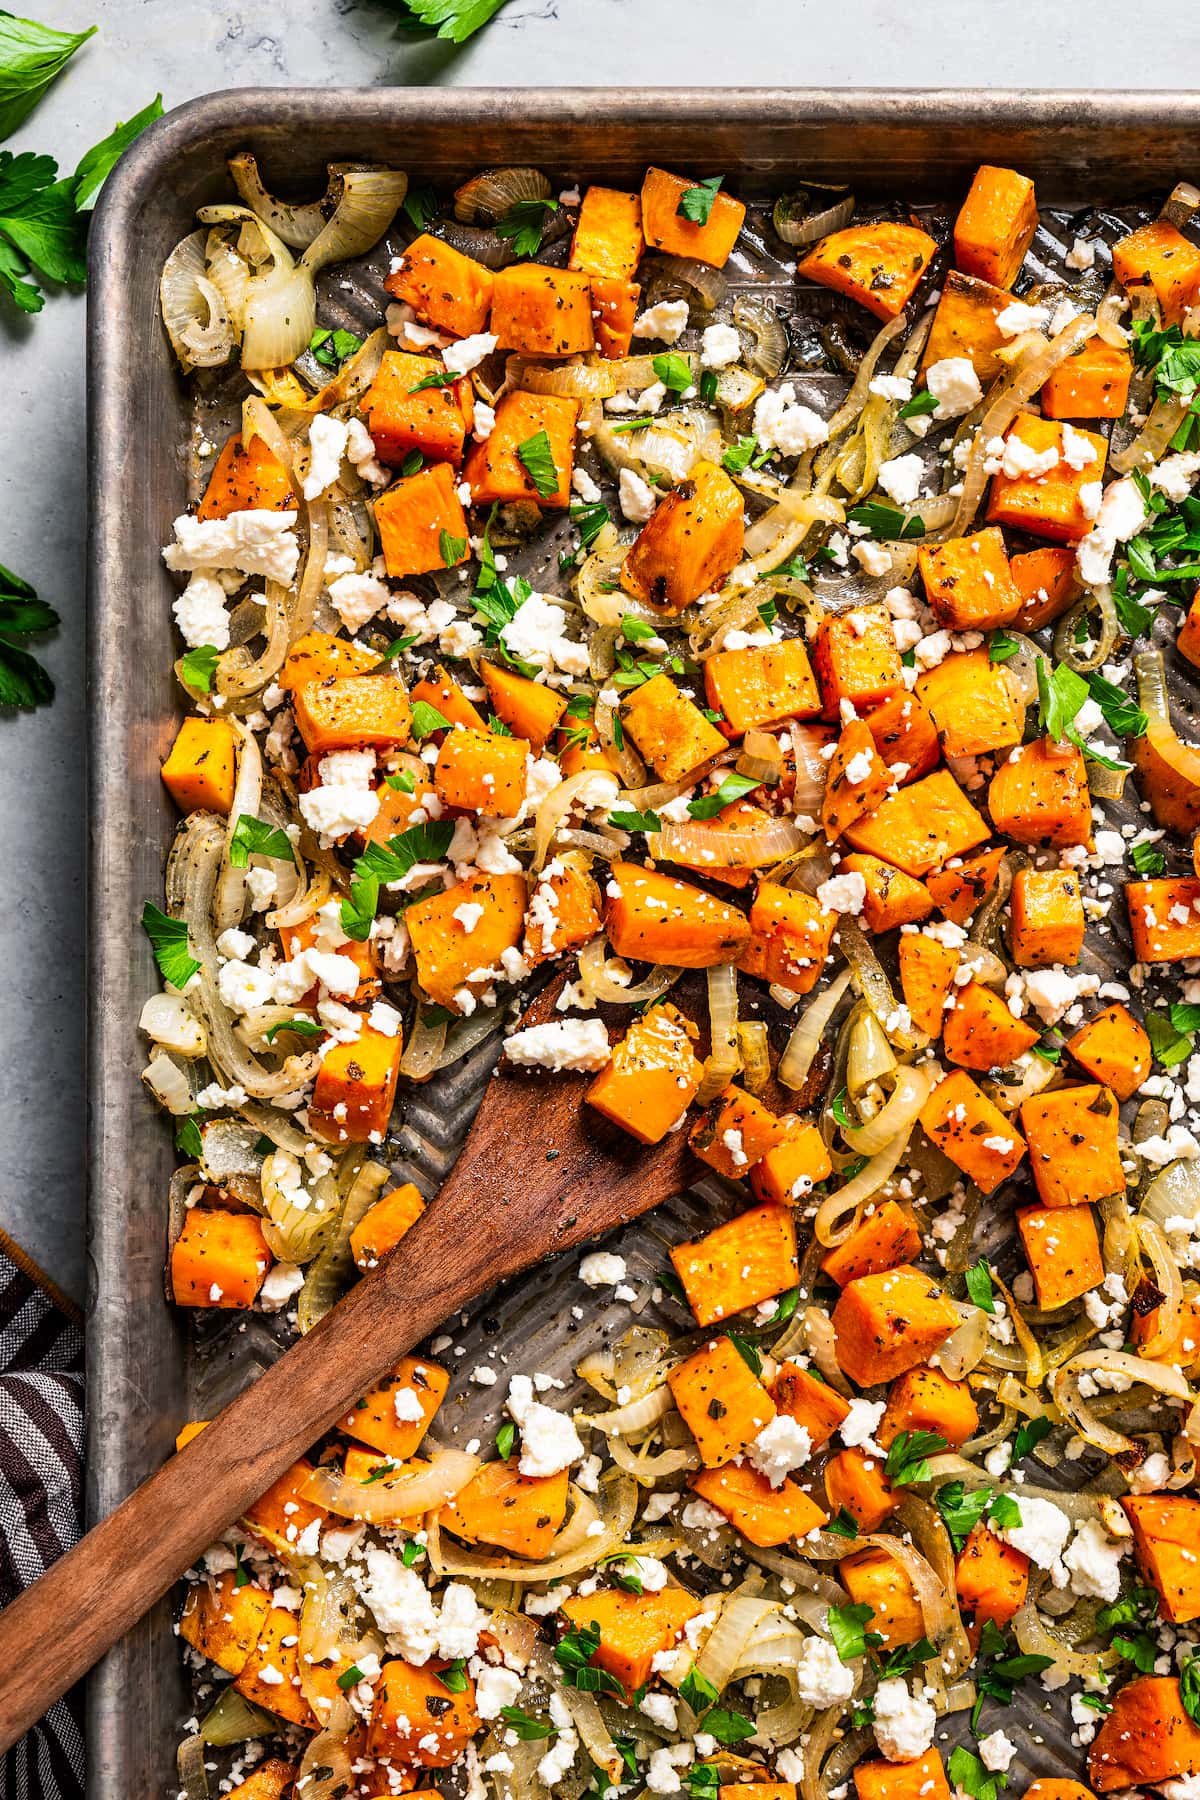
{"points": [[52, 1634]]}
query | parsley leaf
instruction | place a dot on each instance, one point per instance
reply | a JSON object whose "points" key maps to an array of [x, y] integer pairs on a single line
{"points": [[843, 1524], [456, 20], [31, 57], [698, 1691], [637, 631], [198, 666], [628, 1578], [420, 204], [1002, 648], [919, 405], [349, 1677], [967, 1772], [961, 1509], [739, 456], [188, 1140], [1061, 693], [886, 522], [696, 203], [1171, 1033], [906, 1658], [728, 1727], [426, 719], [636, 821], [451, 549], [574, 1657], [1029, 1434], [979, 1286], [591, 520], [847, 1628], [524, 224], [1004, 1513], [1189, 1687], [331, 348], [538, 458], [23, 681], [785, 1307], [440, 379], [1147, 860], [1139, 1649], [674, 370], [747, 1352], [506, 1439], [908, 1456], [255, 837], [454, 1678], [1122, 717], [302, 1028], [527, 1728], [732, 788], [388, 862], [169, 942], [97, 164]]}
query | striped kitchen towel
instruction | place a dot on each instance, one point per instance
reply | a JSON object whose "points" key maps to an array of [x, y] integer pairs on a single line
{"points": [[41, 1494]]}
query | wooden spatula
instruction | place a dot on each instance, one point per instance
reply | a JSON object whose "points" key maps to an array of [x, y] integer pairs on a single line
{"points": [[539, 1173]]}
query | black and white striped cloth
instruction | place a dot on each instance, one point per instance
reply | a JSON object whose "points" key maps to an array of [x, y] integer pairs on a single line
{"points": [[41, 1500]]}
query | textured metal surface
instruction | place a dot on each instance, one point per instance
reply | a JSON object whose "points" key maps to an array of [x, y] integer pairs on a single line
{"points": [[145, 1379]]}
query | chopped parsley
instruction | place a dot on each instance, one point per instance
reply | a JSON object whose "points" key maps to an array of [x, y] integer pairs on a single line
{"points": [[537, 458], [747, 1352], [383, 863], [256, 837], [1146, 860], [635, 821], [848, 1629], [506, 1439], [886, 522], [740, 455], [527, 1728], [169, 942], [961, 1509], [439, 379], [524, 224], [574, 1657], [1002, 647], [1171, 1032], [198, 666], [1029, 1434], [732, 788], [426, 719], [591, 520], [843, 1524], [331, 348], [919, 405], [674, 370], [24, 683], [451, 549], [696, 203], [979, 1286], [908, 1456]]}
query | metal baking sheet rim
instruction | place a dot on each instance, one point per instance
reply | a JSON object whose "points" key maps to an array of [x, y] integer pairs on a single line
{"points": [[1094, 145]]}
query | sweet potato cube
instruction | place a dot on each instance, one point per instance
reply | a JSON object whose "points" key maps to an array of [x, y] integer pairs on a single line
{"points": [[764, 1515], [1050, 1789], [926, 1400], [1114, 1049], [722, 1402], [355, 1088], [1164, 918], [905, 736], [1174, 802], [856, 659], [890, 1322], [394, 1415], [481, 772], [972, 1132], [653, 1076], [690, 542], [668, 227], [879, 265], [927, 971], [668, 728], [542, 311], [416, 1719], [515, 1512], [652, 917], [634, 1628], [529, 708], [384, 1224], [790, 935], [995, 225], [762, 683], [219, 1259], [1047, 918], [973, 703], [223, 1622], [269, 1658], [1092, 384], [407, 407], [965, 325], [923, 1779], [1048, 583], [246, 479], [1188, 640], [201, 769], [790, 1170], [1072, 1135], [1147, 1738], [766, 1790], [856, 1481], [968, 583], [452, 292], [1040, 795], [856, 782], [812, 1403], [448, 952], [608, 233], [921, 826], [563, 913], [959, 890], [981, 1033], [1159, 257], [1047, 505], [1166, 1531], [614, 314], [874, 1578], [442, 692], [271, 1780], [749, 1259], [281, 1515], [893, 898], [1062, 1250], [991, 1577], [494, 470], [422, 525], [884, 1238], [317, 656], [736, 1132], [350, 711]]}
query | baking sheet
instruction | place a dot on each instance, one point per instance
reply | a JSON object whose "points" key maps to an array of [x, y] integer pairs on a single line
{"points": [[149, 1369]]}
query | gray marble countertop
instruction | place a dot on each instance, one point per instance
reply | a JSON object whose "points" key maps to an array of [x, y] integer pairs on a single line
{"points": [[189, 47]]}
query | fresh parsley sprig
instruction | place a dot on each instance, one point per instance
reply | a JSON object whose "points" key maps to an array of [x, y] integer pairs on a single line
{"points": [[455, 20], [24, 683], [524, 225]]}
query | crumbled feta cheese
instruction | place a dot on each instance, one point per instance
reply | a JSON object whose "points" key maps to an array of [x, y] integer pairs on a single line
{"points": [[636, 497], [560, 1044], [588, 490], [461, 357], [1121, 515], [1176, 476], [326, 448], [779, 424], [402, 1605], [1022, 462], [822, 1678], [1077, 448], [201, 614], [357, 597], [904, 1723], [780, 1447], [241, 986], [601, 1268], [1081, 255], [843, 893], [954, 385], [901, 478], [859, 1426], [996, 1751], [1017, 317], [549, 1441], [494, 1688], [1040, 1536], [666, 322], [284, 1280], [252, 542], [891, 387], [873, 559], [720, 345], [1093, 1561], [537, 634]]}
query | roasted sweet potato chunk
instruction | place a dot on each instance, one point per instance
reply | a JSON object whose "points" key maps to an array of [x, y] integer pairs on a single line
{"points": [[689, 544], [749, 1259], [1148, 1737], [880, 265], [653, 1076], [1072, 1135], [722, 1402], [890, 1322], [654, 917], [667, 225], [995, 226]]}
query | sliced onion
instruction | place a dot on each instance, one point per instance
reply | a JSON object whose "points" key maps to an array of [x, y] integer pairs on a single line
{"points": [[821, 1339], [761, 757], [1174, 1192], [741, 1614], [808, 1035], [169, 1085], [1065, 1388], [1036, 1638], [332, 1269], [370, 200], [280, 303], [1098, 647], [1160, 733], [296, 1233], [553, 808], [229, 901], [966, 1346], [758, 316], [837, 1214], [330, 1758], [897, 1116], [601, 986], [812, 212], [578, 378], [577, 1546], [193, 307], [683, 274], [875, 988], [415, 1488], [1166, 416], [634, 1418], [724, 1059], [702, 848], [350, 383], [296, 225], [753, 1043]]}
